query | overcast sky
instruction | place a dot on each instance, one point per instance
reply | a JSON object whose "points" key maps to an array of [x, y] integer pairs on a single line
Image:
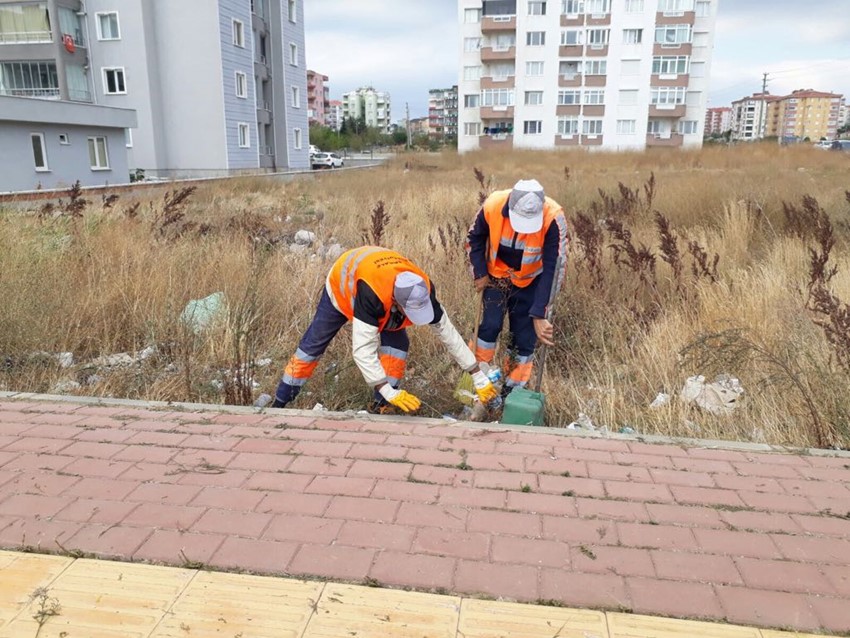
{"points": [[409, 46]]}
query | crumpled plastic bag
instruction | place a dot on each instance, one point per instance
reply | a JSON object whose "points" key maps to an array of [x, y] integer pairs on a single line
{"points": [[721, 396]]}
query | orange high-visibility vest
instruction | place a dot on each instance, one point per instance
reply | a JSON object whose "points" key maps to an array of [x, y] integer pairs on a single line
{"points": [[378, 267], [502, 233]]}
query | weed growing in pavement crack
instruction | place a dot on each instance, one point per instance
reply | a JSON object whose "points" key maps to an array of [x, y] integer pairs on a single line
{"points": [[584, 549], [47, 607]]}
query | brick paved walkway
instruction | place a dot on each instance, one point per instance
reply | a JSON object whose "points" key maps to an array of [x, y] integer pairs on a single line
{"points": [[755, 538]]}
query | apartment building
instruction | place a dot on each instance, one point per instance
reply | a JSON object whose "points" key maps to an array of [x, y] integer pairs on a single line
{"points": [[805, 115], [318, 98], [372, 106], [333, 117], [218, 87], [611, 74], [718, 120], [442, 113], [751, 116]]}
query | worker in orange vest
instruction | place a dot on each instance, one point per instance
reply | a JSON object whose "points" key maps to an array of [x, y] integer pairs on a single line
{"points": [[381, 293], [517, 247]]}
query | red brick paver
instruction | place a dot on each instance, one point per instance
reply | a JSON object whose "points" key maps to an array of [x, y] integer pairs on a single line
{"points": [[759, 538]]}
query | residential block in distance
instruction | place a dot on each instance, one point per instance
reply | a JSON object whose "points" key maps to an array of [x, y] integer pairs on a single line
{"points": [[442, 113], [318, 98], [805, 114], [370, 105], [219, 86], [601, 74], [718, 120]]}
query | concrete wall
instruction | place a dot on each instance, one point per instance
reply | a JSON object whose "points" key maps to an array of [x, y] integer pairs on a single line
{"points": [[66, 163], [286, 117]]}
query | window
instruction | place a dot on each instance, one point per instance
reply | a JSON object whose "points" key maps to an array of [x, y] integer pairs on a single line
{"points": [[675, 6], [594, 96], [629, 67], [296, 97], [568, 126], [536, 8], [673, 34], [29, 79], [572, 7], [669, 64], [471, 128], [572, 37], [63, 139], [241, 85], [471, 16], [107, 26], [700, 39], [688, 127], [632, 36], [471, 73], [471, 45], [24, 23], [502, 71], [534, 98], [39, 152], [497, 97], [98, 156], [293, 54], [703, 8], [291, 10], [113, 81], [597, 38], [128, 138], [238, 33], [569, 68], [534, 68], [568, 98], [628, 97], [532, 127], [535, 38], [244, 135], [667, 95], [71, 25], [626, 127], [634, 6], [296, 138], [592, 127], [596, 67], [471, 101], [654, 127], [697, 69], [597, 7]]}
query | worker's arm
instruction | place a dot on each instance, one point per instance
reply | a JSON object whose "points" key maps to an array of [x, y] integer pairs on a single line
{"points": [[554, 267], [476, 245], [365, 335], [450, 337]]}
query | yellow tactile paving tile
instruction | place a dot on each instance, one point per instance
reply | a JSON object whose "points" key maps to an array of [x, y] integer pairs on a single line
{"points": [[231, 605], [491, 619], [105, 600], [351, 611], [635, 626], [20, 575]]}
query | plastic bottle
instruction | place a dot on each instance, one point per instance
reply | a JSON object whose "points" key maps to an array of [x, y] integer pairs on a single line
{"points": [[495, 376]]}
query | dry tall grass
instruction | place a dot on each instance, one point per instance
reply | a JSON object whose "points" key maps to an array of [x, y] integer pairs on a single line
{"points": [[645, 306]]}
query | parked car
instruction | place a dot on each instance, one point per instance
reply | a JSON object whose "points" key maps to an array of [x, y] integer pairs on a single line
{"points": [[314, 149], [326, 160], [824, 144], [840, 145]]}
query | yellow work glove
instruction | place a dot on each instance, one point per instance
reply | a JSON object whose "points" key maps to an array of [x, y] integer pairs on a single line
{"points": [[399, 398], [485, 390]]}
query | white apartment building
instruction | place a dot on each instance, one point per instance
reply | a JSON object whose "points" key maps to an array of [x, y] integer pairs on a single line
{"points": [[370, 105], [219, 86], [603, 74], [750, 116]]}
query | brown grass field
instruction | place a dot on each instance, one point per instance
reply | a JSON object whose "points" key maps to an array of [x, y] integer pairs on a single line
{"points": [[644, 307]]}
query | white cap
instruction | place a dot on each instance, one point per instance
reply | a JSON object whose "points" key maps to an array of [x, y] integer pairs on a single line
{"points": [[525, 206], [412, 295]]}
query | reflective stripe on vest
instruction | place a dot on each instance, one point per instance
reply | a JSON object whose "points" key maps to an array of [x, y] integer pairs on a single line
{"points": [[502, 234]]}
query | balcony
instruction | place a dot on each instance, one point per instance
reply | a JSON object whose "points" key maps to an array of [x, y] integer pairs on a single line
{"points": [[568, 109], [595, 80], [571, 50], [264, 116], [596, 50], [498, 24], [44, 94], [570, 80], [496, 140], [495, 54], [669, 79], [497, 112], [598, 19], [667, 110], [679, 48], [675, 17], [25, 37], [567, 140], [572, 20], [593, 110], [591, 140], [261, 70], [668, 140], [500, 82]]}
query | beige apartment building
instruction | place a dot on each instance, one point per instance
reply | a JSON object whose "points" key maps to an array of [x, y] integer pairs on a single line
{"points": [[805, 115], [609, 74]]}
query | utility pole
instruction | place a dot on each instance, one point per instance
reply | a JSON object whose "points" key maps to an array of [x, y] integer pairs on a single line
{"points": [[407, 124], [763, 109]]}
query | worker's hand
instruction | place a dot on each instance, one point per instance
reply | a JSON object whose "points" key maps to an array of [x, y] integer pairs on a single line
{"points": [[399, 398], [485, 390], [545, 331], [481, 283]]}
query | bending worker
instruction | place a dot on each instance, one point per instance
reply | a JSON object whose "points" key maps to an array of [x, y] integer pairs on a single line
{"points": [[381, 293], [517, 246]]}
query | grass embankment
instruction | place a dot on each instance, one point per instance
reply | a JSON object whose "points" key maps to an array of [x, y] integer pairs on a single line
{"points": [[721, 282]]}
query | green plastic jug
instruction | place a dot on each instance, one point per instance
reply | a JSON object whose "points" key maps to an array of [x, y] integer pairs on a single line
{"points": [[524, 407]]}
